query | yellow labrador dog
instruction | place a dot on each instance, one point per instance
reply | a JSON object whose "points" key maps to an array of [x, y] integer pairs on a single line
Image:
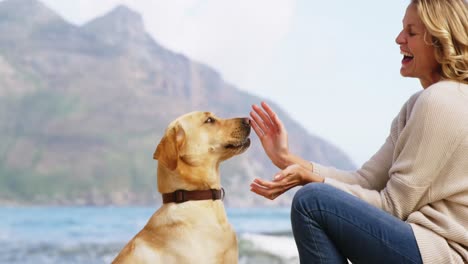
{"points": [[191, 226]]}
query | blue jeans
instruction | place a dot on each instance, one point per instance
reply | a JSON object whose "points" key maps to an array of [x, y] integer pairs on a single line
{"points": [[330, 226]]}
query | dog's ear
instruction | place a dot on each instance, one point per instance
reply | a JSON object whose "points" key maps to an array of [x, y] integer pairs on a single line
{"points": [[167, 151]]}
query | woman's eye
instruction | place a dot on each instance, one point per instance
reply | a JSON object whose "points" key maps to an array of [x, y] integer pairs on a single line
{"points": [[210, 120]]}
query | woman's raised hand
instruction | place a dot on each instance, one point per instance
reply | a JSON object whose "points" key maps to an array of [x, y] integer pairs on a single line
{"points": [[272, 134]]}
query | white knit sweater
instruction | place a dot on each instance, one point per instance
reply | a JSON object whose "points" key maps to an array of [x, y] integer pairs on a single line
{"points": [[420, 174]]}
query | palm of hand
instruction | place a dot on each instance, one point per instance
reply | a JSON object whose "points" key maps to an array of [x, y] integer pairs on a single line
{"points": [[271, 132], [284, 180], [275, 144]]}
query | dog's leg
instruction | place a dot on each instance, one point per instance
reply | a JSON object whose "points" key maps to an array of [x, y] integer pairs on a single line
{"points": [[231, 255]]}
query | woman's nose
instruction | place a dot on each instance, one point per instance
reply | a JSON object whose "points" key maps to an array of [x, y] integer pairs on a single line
{"points": [[400, 39]]}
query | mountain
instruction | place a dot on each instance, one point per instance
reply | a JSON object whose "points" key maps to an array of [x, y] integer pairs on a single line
{"points": [[82, 109]]}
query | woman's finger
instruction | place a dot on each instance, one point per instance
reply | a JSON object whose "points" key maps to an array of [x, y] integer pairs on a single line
{"points": [[278, 176], [282, 174], [259, 111], [267, 184], [263, 192], [259, 189], [259, 122], [256, 128], [273, 117]]}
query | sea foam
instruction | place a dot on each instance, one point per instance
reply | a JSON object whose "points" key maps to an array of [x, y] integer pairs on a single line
{"points": [[278, 249]]}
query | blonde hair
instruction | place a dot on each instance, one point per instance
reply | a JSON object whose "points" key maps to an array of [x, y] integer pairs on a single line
{"points": [[447, 23]]}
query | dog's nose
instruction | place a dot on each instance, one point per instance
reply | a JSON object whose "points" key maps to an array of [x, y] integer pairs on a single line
{"points": [[246, 121]]}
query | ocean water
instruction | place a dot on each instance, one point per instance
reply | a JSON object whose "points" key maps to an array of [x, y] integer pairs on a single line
{"points": [[96, 234]]}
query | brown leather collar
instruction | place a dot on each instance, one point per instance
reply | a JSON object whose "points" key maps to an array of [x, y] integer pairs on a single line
{"points": [[181, 196]]}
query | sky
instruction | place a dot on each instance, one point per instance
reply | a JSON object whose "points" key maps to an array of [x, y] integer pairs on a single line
{"points": [[333, 66]]}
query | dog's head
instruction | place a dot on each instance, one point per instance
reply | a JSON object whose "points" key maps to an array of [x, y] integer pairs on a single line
{"points": [[200, 141]]}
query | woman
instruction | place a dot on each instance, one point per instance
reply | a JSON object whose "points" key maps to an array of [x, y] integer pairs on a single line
{"points": [[409, 202]]}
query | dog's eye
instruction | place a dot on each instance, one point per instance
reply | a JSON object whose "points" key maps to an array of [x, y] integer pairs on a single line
{"points": [[210, 120]]}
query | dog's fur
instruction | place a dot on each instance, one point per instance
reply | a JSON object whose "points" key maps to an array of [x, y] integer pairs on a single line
{"points": [[188, 157]]}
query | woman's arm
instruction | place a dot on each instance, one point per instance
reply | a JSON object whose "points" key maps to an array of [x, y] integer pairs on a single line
{"points": [[373, 175], [424, 147], [274, 139]]}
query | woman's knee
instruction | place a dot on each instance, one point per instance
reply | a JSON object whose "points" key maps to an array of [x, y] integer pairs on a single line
{"points": [[310, 196]]}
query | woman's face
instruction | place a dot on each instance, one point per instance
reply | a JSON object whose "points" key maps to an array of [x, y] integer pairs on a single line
{"points": [[418, 52]]}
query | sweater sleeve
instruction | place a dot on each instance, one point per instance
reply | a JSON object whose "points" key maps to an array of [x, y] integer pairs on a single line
{"points": [[423, 147], [374, 174]]}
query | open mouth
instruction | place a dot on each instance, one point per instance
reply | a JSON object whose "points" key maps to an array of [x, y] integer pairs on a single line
{"points": [[240, 144], [407, 57]]}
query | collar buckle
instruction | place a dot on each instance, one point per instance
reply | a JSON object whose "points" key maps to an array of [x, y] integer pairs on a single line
{"points": [[179, 196]]}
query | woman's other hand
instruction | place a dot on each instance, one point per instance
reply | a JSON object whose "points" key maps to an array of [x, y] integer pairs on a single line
{"points": [[292, 176]]}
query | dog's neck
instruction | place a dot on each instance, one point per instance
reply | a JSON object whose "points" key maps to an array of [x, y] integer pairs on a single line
{"points": [[187, 178]]}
